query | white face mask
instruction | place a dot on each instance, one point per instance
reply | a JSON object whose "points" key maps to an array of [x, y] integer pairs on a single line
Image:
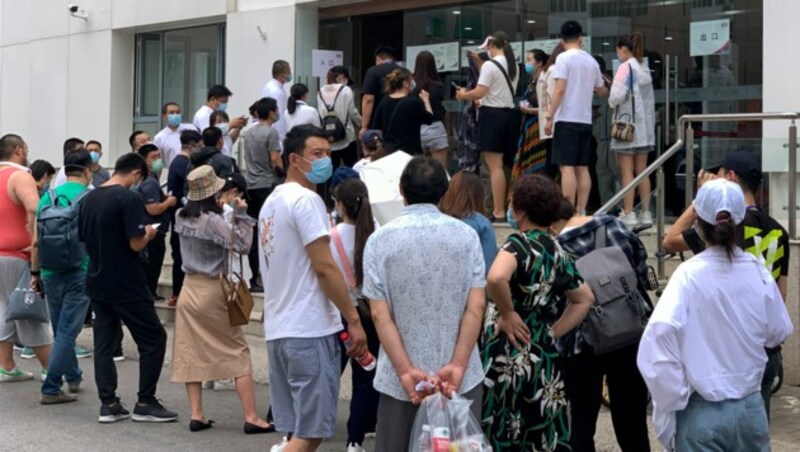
{"points": [[224, 127]]}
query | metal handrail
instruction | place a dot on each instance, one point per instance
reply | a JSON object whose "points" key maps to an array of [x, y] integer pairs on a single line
{"points": [[687, 138]]}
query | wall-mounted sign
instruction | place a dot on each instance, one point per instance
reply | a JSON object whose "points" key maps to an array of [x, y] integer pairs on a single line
{"points": [[445, 54], [710, 37], [323, 60]]}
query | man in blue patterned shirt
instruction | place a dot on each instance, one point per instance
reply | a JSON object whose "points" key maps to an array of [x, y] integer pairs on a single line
{"points": [[424, 276]]}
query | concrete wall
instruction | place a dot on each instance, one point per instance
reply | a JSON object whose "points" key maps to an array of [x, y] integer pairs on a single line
{"points": [[791, 349]]}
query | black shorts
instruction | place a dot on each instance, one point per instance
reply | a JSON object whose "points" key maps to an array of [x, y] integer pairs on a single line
{"points": [[572, 144], [499, 130]]}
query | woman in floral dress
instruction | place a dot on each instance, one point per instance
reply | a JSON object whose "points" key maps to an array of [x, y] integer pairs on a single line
{"points": [[524, 403]]}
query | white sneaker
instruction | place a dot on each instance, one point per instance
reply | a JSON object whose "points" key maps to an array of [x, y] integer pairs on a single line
{"points": [[280, 446], [629, 219], [225, 385], [646, 219], [354, 447]]}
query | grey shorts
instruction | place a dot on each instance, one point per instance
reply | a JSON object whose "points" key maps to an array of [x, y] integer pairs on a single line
{"points": [[29, 333], [304, 379], [635, 151], [433, 137]]}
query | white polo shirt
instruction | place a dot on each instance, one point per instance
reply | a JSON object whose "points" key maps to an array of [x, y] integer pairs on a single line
{"points": [[169, 142]]}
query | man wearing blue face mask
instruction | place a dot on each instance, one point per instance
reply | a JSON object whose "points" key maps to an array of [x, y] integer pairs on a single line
{"points": [[281, 75], [216, 99], [169, 138], [305, 298], [157, 205], [99, 174]]}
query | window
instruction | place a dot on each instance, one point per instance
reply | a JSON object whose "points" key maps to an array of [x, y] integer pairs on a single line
{"points": [[176, 66]]}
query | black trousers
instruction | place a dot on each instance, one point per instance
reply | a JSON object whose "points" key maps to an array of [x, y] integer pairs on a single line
{"points": [[364, 401], [150, 337], [156, 249], [583, 378], [177, 263], [256, 200]]}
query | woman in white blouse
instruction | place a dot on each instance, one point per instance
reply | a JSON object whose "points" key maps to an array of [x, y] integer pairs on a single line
{"points": [[298, 112], [337, 97], [702, 354], [545, 86]]}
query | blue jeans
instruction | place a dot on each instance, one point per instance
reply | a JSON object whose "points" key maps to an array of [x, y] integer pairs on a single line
{"points": [[68, 302], [730, 425]]}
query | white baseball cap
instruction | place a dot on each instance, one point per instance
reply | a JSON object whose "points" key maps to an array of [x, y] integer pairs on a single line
{"points": [[720, 195], [486, 42]]}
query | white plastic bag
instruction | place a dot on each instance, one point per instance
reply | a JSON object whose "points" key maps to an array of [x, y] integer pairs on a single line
{"points": [[447, 425]]}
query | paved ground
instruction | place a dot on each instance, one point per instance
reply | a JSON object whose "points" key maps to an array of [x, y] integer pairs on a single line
{"points": [[26, 425]]}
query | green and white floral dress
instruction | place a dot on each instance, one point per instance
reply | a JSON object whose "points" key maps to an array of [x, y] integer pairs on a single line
{"points": [[524, 403]]}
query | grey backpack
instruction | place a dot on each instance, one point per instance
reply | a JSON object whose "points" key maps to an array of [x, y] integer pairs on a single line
{"points": [[57, 230], [619, 314]]}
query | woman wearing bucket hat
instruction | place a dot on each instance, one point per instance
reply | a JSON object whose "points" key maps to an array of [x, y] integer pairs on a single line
{"points": [[206, 346], [702, 354]]}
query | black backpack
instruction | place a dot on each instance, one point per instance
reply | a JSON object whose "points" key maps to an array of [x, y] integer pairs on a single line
{"points": [[57, 231], [332, 126]]}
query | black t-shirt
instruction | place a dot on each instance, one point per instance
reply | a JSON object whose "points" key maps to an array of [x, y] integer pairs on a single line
{"points": [[152, 194], [176, 179], [373, 84], [400, 120], [109, 217], [762, 237], [436, 91]]}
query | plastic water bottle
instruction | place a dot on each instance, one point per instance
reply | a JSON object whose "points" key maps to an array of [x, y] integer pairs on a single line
{"points": [[425, 439], [367, 361], [441, 439]]}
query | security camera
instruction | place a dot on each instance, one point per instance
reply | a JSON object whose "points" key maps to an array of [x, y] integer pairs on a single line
{"points": [[76, 11], [73, 8]]}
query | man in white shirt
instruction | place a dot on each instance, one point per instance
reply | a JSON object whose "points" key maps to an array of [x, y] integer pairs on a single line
{"points": [[281, 74], [70, 144], [307, 296], [577, 76], [169, 138], [216, 99]]}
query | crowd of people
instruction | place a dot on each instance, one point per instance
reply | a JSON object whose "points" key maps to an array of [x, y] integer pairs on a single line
{"points": [[427, 300]]}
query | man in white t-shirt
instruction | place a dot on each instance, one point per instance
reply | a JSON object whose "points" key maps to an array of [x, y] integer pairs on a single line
{"points": [[274, 88], [216, 99], [307, 296], [577, 77], [169, 138]]}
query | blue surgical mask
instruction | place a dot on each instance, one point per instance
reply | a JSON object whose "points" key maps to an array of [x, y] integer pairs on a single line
{"points": [[222, 106], [289, 78], [174, 119], [135, 187], [95, 156], [529, 68], [158, 165], [224, 127], [321, 170], [511, 221]]}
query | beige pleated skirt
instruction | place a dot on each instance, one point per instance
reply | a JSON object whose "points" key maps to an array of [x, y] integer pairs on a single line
{"points": [[206, 346]]}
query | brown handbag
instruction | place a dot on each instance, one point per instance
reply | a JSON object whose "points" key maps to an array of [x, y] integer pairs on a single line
{"points": [[237, 295], [621, 129]]}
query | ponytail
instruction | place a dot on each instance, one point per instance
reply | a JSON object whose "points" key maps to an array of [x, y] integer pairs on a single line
{"points": [[353, 195], [394, 80], [298, 91], [500, 41], [723, 233], [633, 42]]}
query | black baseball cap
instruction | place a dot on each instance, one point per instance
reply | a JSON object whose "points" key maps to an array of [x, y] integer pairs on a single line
{"points": [[745, 164], [571, 29], [341, 70], [236, 181]]}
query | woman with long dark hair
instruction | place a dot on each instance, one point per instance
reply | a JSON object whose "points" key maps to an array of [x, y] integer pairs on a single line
{"points": [[464, 200], [545, 86], [498, 117], [348, 240], [703, 353], [434, 136], [401, 116], [532, 152], [298, 112]]}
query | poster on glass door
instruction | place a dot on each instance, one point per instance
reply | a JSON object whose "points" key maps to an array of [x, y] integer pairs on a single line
{"points": [[710, 37], [445, 54]]}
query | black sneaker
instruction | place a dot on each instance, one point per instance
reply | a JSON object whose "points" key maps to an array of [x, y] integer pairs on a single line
{"points": [[153, 412], [113, 413]]}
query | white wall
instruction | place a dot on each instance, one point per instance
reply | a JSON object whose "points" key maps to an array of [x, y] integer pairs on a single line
{"points": [[780, 76]]}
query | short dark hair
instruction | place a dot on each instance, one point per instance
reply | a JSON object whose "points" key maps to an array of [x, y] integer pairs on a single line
{"points": [[133, 136], [385, 52], [216, 116], [571, 30], [211, 136], [295, 141], [190, 137], [76, 161], [279, 67], [265, 106], [424, 181], [72, 143], [218, 91], [8, 142], [147, 149], [539, 197], [41, 168], [129, 163], [94, 142], [165, 106]]}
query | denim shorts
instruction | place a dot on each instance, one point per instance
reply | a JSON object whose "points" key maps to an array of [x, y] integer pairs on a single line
{"points": [[433, 137], [304, 376]]}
